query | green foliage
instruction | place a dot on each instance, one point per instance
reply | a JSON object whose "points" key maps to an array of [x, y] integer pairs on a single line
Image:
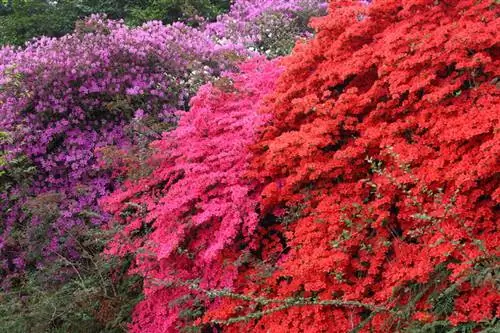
{"points": [[279, 31], [3, 161], [5, 7], [94, 294], [173, 10], [26, 19], [16, 170], [31, 18], [443, 326]]}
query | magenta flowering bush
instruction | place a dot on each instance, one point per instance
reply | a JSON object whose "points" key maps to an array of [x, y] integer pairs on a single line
{"points": [[198, 203]]}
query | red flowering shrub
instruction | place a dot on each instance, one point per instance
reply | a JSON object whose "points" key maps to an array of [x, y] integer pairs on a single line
{"points": [[186, 221], [384, 149]]}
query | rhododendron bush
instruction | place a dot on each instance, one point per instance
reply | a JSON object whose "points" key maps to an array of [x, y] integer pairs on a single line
{"points": [[197, 204], [64, 98], [382, 160]]}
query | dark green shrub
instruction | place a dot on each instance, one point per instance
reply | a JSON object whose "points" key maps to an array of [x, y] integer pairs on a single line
{"points": [[94, 294]]}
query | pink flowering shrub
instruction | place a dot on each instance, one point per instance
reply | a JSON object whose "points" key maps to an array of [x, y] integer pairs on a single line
{"points": [[197, 209]]}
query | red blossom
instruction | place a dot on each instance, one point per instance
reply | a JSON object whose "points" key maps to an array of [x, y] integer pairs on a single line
{"points": [[413, 86]]}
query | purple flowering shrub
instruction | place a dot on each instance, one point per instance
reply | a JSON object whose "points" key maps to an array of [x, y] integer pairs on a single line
{"points": [[64, 99], [270, 27]]}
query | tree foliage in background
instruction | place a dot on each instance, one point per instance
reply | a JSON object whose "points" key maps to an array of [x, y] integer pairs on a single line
{"points": [[190, 11], [22, 20]]}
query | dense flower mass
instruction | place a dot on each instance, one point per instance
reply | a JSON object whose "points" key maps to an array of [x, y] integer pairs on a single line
{"points": [[383, 152], [197, 202], [352, 186], [269, 26], [65, 100]]}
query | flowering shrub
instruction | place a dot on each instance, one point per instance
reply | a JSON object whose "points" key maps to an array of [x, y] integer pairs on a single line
{"points": [[196, 207], [381, 162], [61, 99], [270, 26]]}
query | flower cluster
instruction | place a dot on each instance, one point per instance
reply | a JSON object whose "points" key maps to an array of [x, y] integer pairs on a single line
{"points": [[268, 26], [197, 203]]}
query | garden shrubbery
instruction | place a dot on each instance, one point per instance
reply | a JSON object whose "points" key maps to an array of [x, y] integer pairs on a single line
{"points": [[379, 175], [351, 186]]}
